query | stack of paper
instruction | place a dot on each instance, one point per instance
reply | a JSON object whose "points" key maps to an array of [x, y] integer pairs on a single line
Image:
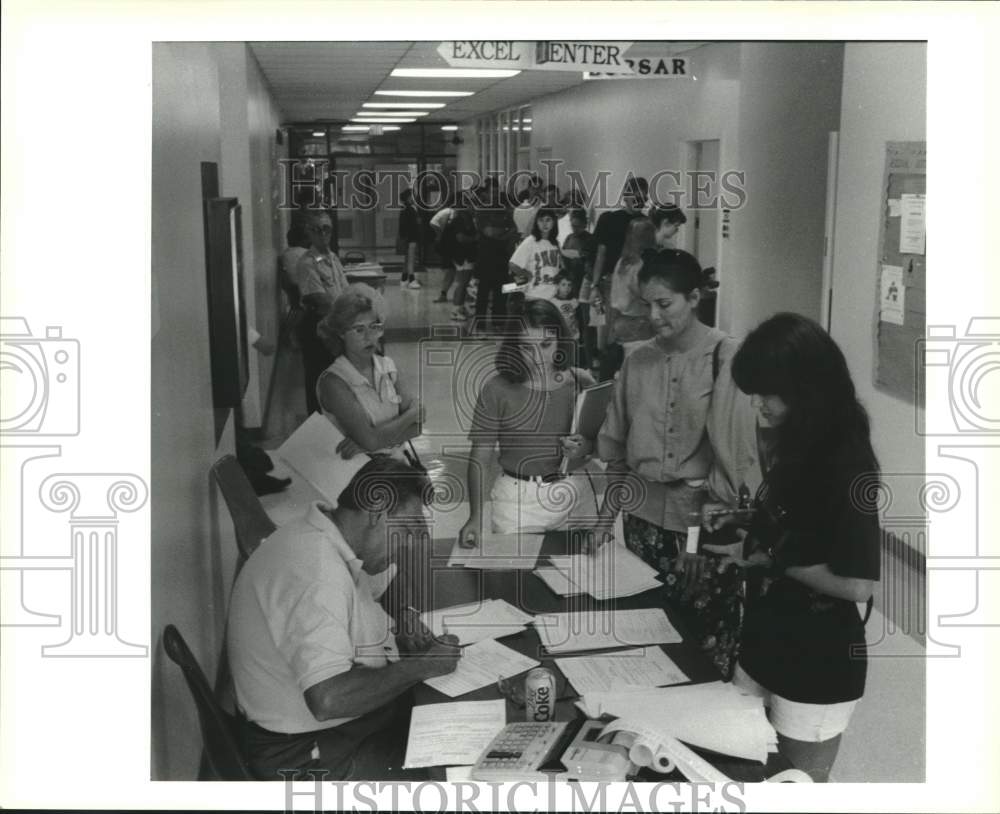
{"points": [[712, 716], [598, 630], [612, 573], [312, 452], [489, 619], [641, 667], [453, 734], [481, 665], [500, 552]]}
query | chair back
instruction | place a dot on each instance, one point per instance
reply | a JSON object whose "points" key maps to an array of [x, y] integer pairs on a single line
{"points": [[354, 257], [222, 752], [249, 518]]}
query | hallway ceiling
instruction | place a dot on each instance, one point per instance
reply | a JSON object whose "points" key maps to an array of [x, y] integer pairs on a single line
{"points": [[330, 80]]}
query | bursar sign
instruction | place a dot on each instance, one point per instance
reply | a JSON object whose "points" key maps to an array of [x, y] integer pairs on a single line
{"points": [[544, 55], [649, 68]]}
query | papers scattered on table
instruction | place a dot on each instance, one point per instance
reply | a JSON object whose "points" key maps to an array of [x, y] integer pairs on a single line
{"points": [[598, 630], [453, 734], [641, 667], [481, 665], [312, 452], [612, 573], [712, 716], [489, 619], [503, 552]]}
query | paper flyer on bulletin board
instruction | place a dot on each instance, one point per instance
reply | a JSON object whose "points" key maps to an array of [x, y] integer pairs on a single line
{"points": [[901, 270]]}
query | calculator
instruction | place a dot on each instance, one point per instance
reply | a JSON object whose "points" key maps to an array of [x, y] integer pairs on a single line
{"points": [[531, 750]]}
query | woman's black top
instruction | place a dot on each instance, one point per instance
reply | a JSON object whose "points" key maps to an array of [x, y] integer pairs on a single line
{"points": [[797, 643]]}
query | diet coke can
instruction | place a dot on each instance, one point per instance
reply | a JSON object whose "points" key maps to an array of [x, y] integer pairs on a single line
{"points": [[540, 695]]}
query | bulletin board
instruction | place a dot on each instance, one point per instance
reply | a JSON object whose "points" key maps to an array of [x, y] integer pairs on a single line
{"points": [[901, 274]]}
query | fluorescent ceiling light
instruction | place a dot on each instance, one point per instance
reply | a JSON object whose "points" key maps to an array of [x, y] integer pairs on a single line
{"points": [[410, 113], [319, 133], [449, 127], [383, 121], [355, 128], [413, 105], [426, 93], [387, 128], [454, 73]]}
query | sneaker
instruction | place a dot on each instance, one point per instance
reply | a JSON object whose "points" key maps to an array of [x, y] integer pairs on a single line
{"points": [[414, 284], [441, 298]]}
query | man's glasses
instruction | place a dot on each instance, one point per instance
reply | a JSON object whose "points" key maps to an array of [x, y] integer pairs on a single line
{"points": [[326, 230], [361, 330]]}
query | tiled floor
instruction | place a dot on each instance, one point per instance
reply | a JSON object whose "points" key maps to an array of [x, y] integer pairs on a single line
{"points": [[885, 742]]}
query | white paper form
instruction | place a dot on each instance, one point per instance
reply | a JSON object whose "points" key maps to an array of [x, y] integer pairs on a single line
{"points": [[481, 665], [489, 619], [598, 630], [503, 552], [912, 227], [892, 302], [712, 716], [641, 667], [613, 572], [312, 452], [453, 734]]}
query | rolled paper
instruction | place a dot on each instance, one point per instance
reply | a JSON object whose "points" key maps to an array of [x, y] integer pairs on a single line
{"points": [[662, 762], [691, 546], [643, 752]]}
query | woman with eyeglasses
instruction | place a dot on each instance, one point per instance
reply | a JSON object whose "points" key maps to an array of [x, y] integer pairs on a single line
{"points": [[527, 411], [361, 392], [814, 536]]}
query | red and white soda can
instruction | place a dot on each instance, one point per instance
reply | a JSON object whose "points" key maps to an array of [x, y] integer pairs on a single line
{"points": [[540, 695]]}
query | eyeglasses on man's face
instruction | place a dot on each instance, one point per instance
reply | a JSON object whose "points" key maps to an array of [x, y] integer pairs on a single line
{"points": [[372, 327]]}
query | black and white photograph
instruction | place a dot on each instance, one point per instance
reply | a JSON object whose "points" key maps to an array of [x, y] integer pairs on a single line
{"points": [[526, 424]]}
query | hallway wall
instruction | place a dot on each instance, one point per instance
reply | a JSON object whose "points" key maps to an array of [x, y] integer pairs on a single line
{"points": [[193, 546]]}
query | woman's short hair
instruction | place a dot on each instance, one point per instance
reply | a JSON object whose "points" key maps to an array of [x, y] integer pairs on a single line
{"points": [[669, 213], [510, 362], [546, 213], [345, 309], [676, 269]]}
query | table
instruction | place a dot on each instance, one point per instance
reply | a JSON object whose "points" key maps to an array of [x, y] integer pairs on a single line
{"points": [[454, 586], [370, 273]]}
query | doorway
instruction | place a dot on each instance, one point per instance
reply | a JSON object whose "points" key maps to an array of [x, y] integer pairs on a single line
{"points": [[702, 234]]}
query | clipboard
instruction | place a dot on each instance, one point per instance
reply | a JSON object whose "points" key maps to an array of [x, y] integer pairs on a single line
{"points": [[588, 415]]}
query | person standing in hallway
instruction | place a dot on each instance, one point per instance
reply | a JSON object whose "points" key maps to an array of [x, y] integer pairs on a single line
{"points": [[814, 543], [678, 433], [668, 220], [612, 227], [536, 261], [361, 392], [628, 313], [526, 410], [497, 239], [408, 239], [320, 278]]}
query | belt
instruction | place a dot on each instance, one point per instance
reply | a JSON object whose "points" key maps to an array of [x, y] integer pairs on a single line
{"points": [[552, 477]]}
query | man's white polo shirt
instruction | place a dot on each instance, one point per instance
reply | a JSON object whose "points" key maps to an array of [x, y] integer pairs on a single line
{"points": [[302, 611]]}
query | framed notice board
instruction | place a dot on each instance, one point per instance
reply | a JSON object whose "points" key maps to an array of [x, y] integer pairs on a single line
{"points": [[901, 274]]}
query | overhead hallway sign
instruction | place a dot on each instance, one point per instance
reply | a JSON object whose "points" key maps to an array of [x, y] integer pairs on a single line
{"points": [[544, 55], [666, 67]]}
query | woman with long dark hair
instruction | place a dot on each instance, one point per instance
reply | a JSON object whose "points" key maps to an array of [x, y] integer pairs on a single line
{"points": [[814, 535], [526, 410]]}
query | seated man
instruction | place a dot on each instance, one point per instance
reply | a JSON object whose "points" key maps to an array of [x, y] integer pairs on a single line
{"points": [[320, 677]]}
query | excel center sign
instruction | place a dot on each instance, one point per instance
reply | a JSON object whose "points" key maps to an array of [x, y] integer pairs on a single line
{"points": [[597, 60]]}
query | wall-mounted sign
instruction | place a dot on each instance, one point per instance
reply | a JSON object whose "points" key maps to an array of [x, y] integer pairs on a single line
{"points": [[649, 68], [488, 54], [544, 55]]}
